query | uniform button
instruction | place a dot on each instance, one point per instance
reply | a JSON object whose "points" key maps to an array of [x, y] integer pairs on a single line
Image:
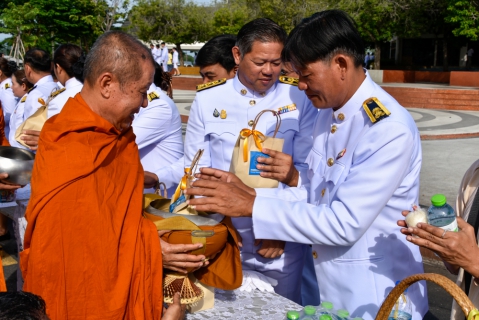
{"points": [[243, 91], [250, 123], [322, 192], [315, 255], [330, 162], [262, 94], [252, 102], [341, 116], [333, 129]]}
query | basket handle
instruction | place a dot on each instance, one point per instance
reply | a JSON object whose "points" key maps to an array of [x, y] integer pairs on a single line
{"points": [[460, 296], [278, 120], [158, 189]]}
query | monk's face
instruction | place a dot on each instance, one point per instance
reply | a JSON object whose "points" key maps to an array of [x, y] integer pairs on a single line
{"points": [[129, 98]]}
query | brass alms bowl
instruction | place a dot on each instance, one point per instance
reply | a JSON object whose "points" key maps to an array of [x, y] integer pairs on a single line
{"points": [[18, 163]]}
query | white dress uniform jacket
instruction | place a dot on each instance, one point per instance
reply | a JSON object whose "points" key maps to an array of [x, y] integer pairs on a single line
{"points": [[42, 89], [164, 56], [175, 59], [160, 142], [362, 175], [8, 101], [207, 130], [16, 119], [72, 87], [156, 55]]}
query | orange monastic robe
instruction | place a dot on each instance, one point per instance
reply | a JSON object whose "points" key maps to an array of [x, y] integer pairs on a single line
{"points": [[89, 252]]}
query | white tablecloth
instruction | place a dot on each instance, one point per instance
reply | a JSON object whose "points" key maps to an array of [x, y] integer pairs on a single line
{"points": [[247, 305]]}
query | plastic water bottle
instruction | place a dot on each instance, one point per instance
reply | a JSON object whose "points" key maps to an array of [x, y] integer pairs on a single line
{"points": [[325, 307], [308, 313], [440, 214], [342, 314], [402, 309], [292, 315]]}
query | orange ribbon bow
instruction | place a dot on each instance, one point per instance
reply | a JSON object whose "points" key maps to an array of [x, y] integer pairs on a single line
{"points": [[258, 140]]}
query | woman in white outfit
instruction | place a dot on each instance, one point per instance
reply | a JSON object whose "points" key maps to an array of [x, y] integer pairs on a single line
{"points": [[7, 99], [176, 72]]}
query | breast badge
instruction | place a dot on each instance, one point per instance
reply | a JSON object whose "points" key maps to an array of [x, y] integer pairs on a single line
{"points": [[341, 154], [216, 114], [288, 108], [223, 114]]}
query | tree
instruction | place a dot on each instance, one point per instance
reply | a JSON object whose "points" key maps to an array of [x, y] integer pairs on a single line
{"points": [[230, 17], [174, 21], [463, 16]]}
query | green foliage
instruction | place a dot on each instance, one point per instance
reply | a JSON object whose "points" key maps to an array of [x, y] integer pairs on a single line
{"points": [[229, 18], [463, 15]]}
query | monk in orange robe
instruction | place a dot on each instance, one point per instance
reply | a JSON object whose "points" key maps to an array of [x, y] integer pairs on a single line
{"points": [[89, 252]]}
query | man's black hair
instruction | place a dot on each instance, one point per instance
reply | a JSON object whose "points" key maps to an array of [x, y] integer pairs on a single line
{"points": [[321, 36], [262, 30], [38, 60], [21, 305], [218, 50]]}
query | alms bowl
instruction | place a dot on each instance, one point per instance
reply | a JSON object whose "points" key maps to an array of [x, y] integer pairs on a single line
{"points": [[18, 163]]}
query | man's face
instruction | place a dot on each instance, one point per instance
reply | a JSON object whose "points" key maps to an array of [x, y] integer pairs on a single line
{"points": [[215, 72], [127, 100], [322, 83], [260, 68]]}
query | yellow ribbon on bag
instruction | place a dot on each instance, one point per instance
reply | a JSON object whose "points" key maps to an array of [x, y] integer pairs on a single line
{"points": [[258, 140], [182, 185], [473, 315]]}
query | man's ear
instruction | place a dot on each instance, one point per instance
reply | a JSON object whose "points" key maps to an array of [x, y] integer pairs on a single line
{"points": [[104, 82], [343, 64], [236, 54]]}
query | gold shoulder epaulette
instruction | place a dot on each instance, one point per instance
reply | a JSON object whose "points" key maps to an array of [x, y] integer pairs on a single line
{"points": [[289, 80], [375, 110], [153, 95], [7, 85], [211, 84], [23, 99], [56, 92]]}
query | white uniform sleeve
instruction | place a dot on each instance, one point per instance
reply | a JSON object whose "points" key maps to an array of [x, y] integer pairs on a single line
{"points": [[195, 137], [381, 161], [152, 124], [32, 104], [172, 174]]}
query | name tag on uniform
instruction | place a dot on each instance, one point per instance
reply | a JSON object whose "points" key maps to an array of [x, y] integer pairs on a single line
{"points": [[254, 155], [287, 108]]}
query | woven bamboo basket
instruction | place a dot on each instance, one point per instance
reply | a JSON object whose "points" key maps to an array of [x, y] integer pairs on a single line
{"points": [[460, 296]]}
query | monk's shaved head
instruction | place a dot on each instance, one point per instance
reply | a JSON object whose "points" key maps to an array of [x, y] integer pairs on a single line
{"points": [[118, 53]]}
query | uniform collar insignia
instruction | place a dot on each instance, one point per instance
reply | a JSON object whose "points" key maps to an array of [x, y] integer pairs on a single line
{"points": [[375, 110], [32, 88], [211, 84], [56, 92], [153, 96], [341, 154], [7, 85], [23, 99], [289, 80]]}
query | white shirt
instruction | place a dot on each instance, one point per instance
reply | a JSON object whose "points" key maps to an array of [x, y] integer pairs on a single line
{"points": [[164, 55], [8, 101], [158, 135], [16, 119], [42, 89], [355, 200], [175, 57], [72, 87]]}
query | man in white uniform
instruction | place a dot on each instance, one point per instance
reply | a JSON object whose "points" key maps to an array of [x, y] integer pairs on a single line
{"points": [[363, 170], [157, 54], [164, 57], [38, 66], [223, 108]]}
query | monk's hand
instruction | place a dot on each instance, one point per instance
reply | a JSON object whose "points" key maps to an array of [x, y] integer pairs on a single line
{"points": [[221, 197], [5, 185], [224, 176], [176, 257], [175, 310], [279, 166], [456, 249], [31, 137], [151, 180], [270, 248]]}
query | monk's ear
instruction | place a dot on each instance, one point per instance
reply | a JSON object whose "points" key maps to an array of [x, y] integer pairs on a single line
{"points": [[105, 83]]}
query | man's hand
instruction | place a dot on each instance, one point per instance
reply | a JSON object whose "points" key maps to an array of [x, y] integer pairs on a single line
{"points": [[279, 167], [151, 180], [6, 185], [175, 311], [223, 176], [270, 248], [176, 258], [31, 137], [221, 197]]}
